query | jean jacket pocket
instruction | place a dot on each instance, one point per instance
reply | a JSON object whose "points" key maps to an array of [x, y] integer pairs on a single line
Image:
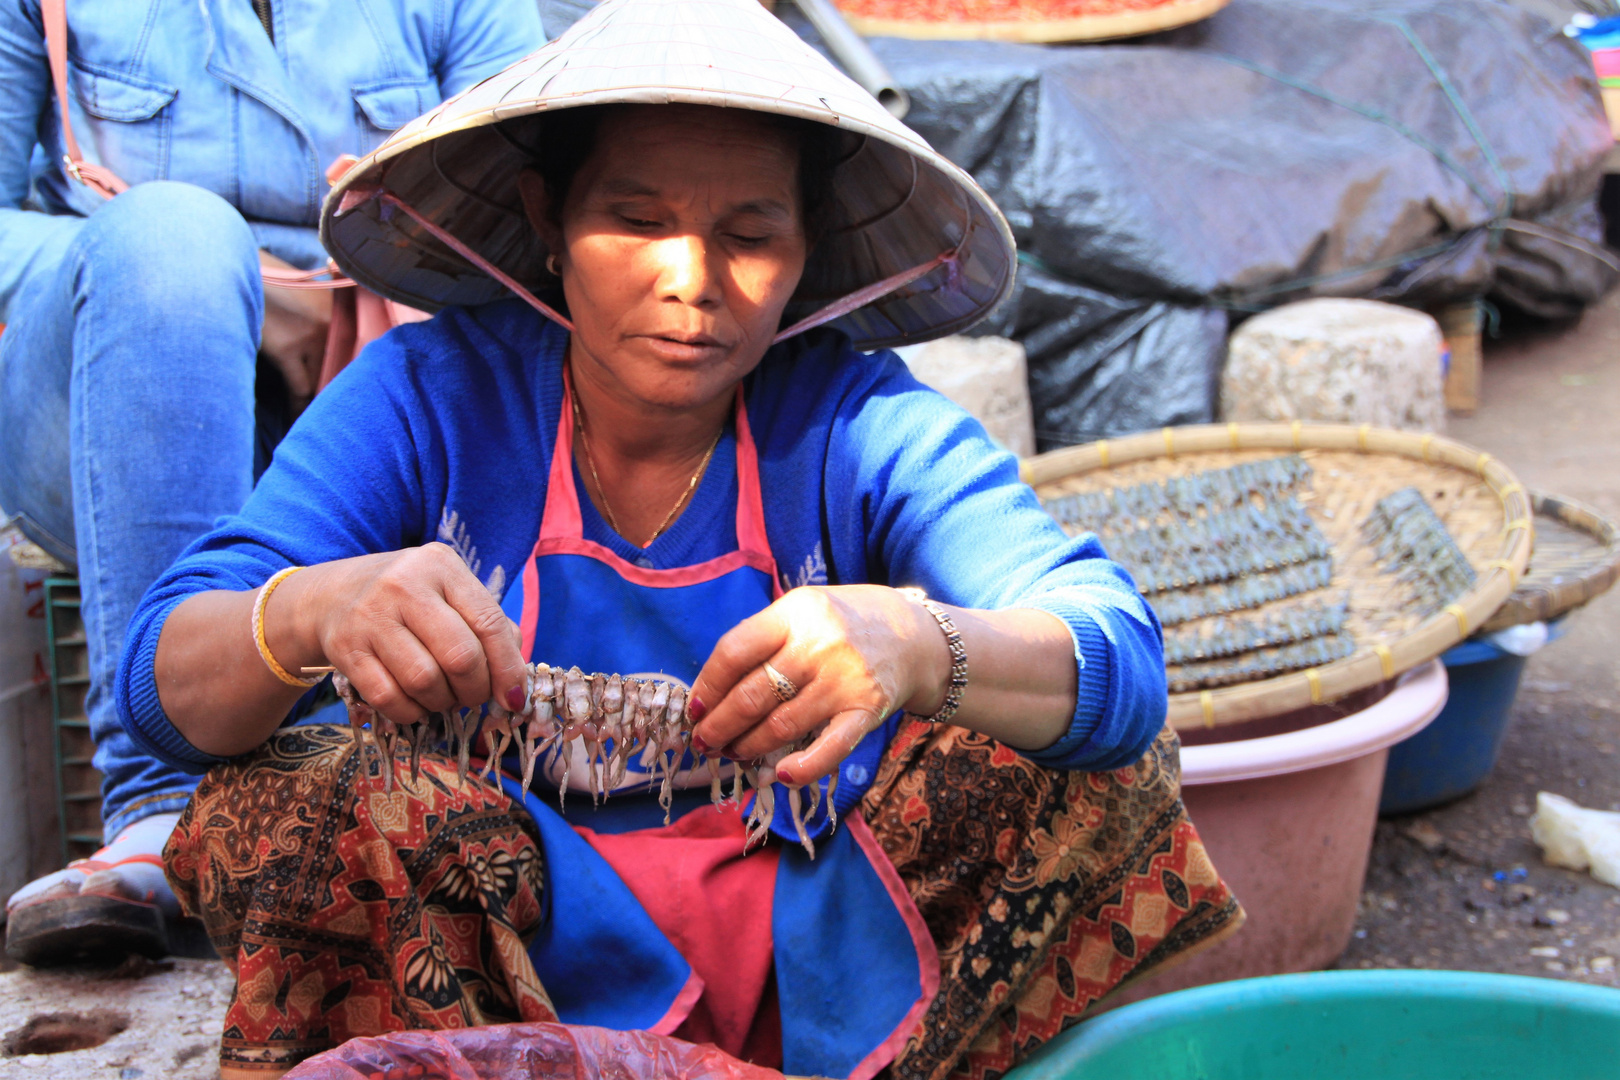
{"points": [[390, 104], [129, 121]]}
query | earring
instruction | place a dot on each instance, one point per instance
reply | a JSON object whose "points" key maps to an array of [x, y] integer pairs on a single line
{"points": [[551, 266]]}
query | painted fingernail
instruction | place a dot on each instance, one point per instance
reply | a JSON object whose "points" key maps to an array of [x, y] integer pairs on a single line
{"points": [[514, 698], [784, 776], [696, 709], [699, 746]]}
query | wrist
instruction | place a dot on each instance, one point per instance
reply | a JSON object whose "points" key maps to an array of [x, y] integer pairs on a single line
{"points": [[932, 660], [294, 619]]}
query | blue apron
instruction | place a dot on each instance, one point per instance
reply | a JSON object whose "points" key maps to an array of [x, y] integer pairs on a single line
{"points": [[855, 966]]}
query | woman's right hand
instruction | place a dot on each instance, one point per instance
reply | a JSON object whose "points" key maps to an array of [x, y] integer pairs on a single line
{"points": [[414, 631]]}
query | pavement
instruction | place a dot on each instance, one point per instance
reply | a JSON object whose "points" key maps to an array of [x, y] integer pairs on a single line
{"points": [[138, 1021], [1459, 887], [1463, 887]]}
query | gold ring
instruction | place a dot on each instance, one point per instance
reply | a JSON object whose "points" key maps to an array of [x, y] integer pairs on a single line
{"points": [[783, 687]]}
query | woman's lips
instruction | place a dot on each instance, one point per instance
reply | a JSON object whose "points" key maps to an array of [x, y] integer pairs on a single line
{"points": [[685, 347]]}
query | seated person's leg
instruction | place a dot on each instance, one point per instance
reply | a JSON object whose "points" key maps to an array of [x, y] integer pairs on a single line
{"points": [[126, 379], [1043, 890], [346, 910]]}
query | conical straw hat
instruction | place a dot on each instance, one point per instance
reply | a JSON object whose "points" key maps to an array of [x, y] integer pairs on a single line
{"points": [[900, 210]]}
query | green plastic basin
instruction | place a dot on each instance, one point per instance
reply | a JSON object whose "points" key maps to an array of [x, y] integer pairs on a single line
{"points": [[1349, 1025]]}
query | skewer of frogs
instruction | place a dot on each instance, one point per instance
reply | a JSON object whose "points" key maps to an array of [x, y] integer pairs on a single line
{"points": [[614, 718]]}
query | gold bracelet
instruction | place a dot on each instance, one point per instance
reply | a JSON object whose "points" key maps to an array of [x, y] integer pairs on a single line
{"points": [[953, 642], [259, 603]]}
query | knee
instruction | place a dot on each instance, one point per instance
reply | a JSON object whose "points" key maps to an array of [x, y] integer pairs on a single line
{"points": [[171, 241]]}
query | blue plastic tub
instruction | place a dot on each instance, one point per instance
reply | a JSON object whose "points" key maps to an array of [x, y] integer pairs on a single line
{"points": [[1454, 754], [1349, 1025], [1458, 750]]}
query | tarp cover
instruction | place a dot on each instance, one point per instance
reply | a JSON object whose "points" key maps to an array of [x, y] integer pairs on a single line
{"points": [[526, 1052], [1417, 151]]}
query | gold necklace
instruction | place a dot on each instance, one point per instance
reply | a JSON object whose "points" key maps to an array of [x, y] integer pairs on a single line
{"points": [[601, 492]]}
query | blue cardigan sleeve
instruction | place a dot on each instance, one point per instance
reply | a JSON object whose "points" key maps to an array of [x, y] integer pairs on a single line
{"points": [[939, 505]]}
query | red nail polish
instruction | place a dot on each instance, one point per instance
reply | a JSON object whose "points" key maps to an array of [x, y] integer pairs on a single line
{"points": [[785, 777], [696, 709], [514, 698], [699, 746]]}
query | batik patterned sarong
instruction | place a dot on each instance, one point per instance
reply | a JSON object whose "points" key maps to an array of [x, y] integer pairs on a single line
{"points": [[346, 911], [1043, 890]]}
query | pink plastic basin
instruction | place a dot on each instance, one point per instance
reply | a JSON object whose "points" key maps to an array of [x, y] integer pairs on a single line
{"points": [[1288, 820]]}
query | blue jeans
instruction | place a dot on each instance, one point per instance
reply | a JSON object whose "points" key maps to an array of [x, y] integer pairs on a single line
{"points": [[127, 380]]}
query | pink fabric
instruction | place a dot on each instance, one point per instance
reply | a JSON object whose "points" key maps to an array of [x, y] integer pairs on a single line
{"points": [[714, 905], [927, 952]]}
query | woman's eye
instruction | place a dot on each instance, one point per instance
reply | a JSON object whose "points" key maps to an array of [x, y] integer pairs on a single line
{"points": [[750, 241], [638, 223]]}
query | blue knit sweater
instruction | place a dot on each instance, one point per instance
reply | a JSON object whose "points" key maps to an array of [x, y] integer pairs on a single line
{"points": [[445, 430]]}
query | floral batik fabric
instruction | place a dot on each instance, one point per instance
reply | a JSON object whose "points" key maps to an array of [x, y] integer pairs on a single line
{"points": [[348, 910], [1043, 890]]}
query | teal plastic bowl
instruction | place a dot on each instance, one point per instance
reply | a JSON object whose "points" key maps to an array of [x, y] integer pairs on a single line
{"points": [[1349, 1025]]}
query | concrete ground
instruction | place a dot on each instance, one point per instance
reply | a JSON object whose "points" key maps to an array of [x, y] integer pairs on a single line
{"points": [[141, 1021], [1458, 887], [1463, 886]]}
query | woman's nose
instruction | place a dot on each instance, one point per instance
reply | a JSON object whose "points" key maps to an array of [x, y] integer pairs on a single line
{"points": [[686, 274]]}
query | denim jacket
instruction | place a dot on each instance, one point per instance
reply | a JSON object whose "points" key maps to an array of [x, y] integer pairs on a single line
{"points": [[196, 90]]}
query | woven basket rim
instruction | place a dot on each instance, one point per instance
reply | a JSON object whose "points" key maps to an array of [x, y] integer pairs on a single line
{"points": [[1367, 666], [1551, 601]]}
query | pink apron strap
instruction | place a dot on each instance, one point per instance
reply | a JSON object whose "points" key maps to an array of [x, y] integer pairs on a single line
{"points": [[750, 504], [562, 519]]}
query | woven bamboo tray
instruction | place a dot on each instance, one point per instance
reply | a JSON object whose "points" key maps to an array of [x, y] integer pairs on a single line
{"points": [[1100, 26], [1482, 505], [1576, 559]]}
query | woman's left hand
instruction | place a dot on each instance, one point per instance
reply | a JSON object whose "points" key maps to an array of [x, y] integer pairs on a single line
{"points": [[855, 652]]}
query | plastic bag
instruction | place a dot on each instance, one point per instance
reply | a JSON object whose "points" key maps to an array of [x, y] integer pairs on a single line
{"points": [[526, 1052]]}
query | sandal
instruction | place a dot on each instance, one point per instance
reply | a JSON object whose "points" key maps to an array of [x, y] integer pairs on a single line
{"points": [[112, 904]]}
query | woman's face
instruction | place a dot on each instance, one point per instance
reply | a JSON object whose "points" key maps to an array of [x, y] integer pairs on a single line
{"points": [[681, 243]]}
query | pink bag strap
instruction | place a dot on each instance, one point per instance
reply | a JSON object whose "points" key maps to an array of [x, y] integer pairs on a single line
{"points": [[103, 182], [106, 183]]}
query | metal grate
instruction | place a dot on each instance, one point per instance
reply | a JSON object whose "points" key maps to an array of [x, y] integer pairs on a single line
{"points": [[78, 784]]}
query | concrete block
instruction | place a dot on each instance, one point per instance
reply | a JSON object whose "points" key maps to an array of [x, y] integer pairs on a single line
{"points": [[1340, 361], [987, 376]]}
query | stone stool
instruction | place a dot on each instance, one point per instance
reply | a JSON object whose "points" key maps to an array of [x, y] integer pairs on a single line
{"points": [[987, 377], [1341, 361]]}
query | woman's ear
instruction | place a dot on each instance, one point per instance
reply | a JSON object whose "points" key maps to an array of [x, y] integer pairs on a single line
{"points": [[537, 208]]}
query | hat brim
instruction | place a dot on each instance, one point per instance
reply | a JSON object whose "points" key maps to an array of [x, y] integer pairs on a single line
{"points": [[896, 204]]}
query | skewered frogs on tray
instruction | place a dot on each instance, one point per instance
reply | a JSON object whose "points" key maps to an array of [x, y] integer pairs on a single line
{"points": [[1211, 544], [1414, 543]]}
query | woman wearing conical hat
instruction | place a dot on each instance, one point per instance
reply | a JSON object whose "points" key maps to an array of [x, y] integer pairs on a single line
{"points": [[641, 438]]}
